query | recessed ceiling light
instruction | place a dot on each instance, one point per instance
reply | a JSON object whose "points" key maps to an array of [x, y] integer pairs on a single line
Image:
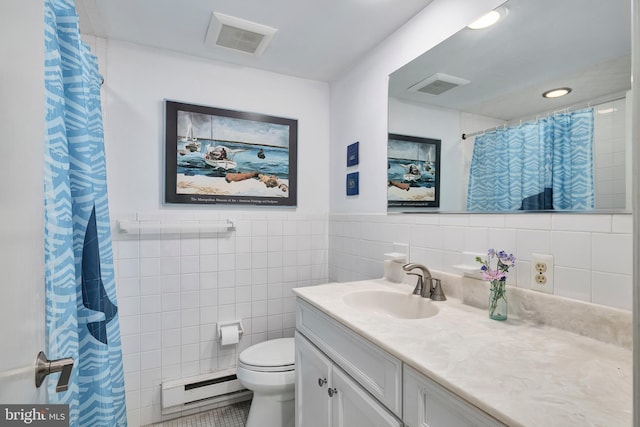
{"points": [[556, 93], [488, 19]]}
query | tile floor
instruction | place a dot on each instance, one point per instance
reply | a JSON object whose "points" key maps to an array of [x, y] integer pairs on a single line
{"points": [[227, 416]]}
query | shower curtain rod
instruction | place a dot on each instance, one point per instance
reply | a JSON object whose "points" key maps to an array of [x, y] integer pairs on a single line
{"points": [[587, 104]]}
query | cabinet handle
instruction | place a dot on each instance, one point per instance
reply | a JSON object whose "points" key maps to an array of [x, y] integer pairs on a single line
{"points": [[332, 391], [321, 382]]}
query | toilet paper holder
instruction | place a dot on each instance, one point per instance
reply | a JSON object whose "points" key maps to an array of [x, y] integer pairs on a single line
{"points": [[231, 322]]}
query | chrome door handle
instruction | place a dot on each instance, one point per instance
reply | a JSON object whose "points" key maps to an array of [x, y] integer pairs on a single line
{"points": [[45, 367]]}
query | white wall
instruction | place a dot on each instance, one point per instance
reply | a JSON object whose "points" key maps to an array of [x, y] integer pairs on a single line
{"points": [[137, 81], [22, 314], [172, 288], [611, 164], [359, 100]]}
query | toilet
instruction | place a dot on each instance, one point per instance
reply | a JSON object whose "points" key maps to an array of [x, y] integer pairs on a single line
{"points": [[268, 369]]}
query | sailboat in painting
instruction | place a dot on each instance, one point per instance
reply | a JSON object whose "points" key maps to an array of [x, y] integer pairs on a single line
{"points": [[193, 144], [221, 157]]}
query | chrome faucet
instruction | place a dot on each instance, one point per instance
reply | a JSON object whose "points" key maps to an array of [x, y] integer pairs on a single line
{"points": [[420, 289], [425, 286]]}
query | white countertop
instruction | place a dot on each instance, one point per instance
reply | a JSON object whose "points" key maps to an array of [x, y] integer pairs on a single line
{"points": [[521, 373]]}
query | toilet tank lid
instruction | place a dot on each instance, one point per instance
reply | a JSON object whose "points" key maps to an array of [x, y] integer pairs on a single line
{"points": [[277, 352]]}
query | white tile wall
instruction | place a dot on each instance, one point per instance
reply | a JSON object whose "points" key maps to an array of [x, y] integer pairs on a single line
{"points": [[592, 253], [610, 155], [173, 289]]}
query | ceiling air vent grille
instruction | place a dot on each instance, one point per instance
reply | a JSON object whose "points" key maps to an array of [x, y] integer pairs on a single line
{"points": [[438, 84], [237, 34], [239, 39]]}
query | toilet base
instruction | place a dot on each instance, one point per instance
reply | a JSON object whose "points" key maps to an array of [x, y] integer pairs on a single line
{"points": [[272, 411]]}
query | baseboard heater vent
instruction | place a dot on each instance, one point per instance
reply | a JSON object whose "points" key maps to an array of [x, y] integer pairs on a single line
{"points": [[216, 388]]}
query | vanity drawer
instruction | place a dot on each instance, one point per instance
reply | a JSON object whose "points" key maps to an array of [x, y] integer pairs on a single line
{"points": [[377, 371]]}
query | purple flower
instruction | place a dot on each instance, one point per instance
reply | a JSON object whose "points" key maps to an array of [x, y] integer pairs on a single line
{"points": [[503, 262]]}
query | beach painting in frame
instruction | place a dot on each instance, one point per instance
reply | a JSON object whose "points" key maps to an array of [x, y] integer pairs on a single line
{"points": [[219, 156], [413, 171]]}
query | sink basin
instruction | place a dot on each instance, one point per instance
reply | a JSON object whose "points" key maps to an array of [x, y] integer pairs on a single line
{"points": [[391, 304]]}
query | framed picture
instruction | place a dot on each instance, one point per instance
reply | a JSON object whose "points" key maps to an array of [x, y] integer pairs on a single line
{"points": [[353, 186], [218, 156], [413, 171], [352, 154]]}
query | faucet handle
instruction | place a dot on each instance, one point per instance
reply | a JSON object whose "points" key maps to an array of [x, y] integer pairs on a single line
{"points": [[419, 285], [437, 294]]}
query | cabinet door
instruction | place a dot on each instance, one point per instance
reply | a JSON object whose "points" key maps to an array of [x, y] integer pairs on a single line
{"points": [[313, 374], [351, 406], [377, 371], [427, 404]]}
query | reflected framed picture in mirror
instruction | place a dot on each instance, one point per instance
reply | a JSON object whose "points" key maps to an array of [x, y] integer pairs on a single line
{"points": [[413, 171]]}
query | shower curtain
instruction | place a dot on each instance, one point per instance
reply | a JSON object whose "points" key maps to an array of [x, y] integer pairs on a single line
{"points": [[540, 165], [81, 309]]}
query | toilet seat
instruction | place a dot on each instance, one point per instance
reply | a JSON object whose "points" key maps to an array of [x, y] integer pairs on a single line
{"points": [[256, 368], [277, 355]]}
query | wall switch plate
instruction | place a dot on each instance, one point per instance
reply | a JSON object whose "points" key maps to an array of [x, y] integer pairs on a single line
{"points": [[542, 273]]}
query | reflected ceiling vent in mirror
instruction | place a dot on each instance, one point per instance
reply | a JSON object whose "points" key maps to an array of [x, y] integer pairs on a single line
{"points": [[237, 34], [438, 84]]}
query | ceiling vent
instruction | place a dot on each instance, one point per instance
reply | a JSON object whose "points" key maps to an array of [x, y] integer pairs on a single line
{"points": [[438, 84], [237, 34]]}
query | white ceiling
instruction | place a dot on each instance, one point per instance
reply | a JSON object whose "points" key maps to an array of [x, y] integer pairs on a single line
{"points": [[539, 45], [316, 39]]}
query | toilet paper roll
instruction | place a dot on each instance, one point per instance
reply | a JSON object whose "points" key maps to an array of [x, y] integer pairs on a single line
{"points": [[229, 334]]}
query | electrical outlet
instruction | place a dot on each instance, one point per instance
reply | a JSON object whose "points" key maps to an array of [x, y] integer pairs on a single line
{"points": [[542, 273]]}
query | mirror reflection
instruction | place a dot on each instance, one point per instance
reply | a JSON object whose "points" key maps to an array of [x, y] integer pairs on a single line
{"points": [[523, 151]]}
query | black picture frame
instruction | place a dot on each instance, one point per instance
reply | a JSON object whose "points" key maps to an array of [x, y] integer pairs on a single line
{"points": [[413, 171], [353, 184], [353, 154], [219, 156]]}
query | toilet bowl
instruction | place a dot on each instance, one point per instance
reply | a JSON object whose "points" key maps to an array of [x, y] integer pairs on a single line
{"points": [[268, 369]]}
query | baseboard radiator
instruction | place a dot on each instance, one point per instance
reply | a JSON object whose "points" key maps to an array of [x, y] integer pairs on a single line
{"points": [[216, 388]]}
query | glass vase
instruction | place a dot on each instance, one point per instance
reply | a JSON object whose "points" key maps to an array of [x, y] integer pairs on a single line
{"points": [[498, 300]]}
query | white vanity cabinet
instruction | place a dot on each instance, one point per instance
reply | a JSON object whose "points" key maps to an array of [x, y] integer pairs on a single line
{"points": [[427, 404], [343, 380], [327, 397], [363, 384]]}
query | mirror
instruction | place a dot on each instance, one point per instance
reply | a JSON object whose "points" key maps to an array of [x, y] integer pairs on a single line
{"points": [[536, 46]]}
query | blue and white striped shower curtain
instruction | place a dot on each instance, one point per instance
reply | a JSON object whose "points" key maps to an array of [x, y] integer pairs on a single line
{"points": [[81, 309], [540, 165]]}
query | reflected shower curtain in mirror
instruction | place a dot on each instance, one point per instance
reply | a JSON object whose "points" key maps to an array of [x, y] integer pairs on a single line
{"points": [[81, 309], [540, 165]]}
